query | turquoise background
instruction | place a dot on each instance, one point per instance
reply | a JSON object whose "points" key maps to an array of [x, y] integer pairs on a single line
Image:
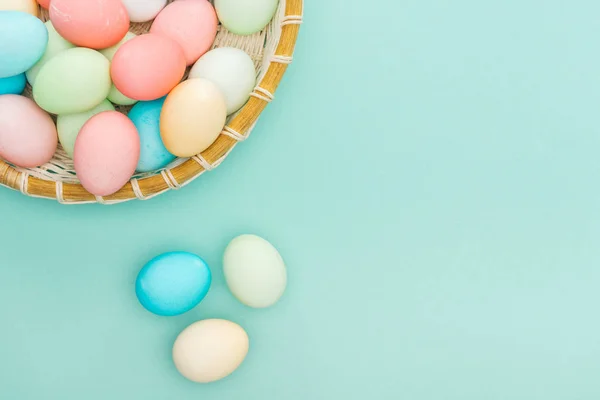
{"points": [[430, 173]]}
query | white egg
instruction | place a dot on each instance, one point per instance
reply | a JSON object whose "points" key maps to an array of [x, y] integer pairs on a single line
{"points": [[209, 350], [254, 271], [143, 10], [232, 70]]}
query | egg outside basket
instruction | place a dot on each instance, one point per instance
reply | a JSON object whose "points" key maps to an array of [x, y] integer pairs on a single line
{"points": [[272, 51]]}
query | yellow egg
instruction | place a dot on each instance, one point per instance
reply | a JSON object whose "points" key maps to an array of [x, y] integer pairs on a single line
{"points": [[192, 117], [28, 6], [209, 350]]}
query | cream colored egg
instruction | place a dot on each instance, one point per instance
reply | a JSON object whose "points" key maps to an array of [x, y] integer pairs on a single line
{"points": [[254, 271], [28, 6], [192, 117], [209, 350]]}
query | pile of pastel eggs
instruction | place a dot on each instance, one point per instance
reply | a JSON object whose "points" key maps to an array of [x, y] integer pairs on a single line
{"points": [[83, 64], [174, 283]]}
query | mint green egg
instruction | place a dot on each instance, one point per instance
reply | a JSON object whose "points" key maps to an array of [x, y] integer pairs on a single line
{"points": [[245, 17], [56, 44], [115, 96], [119, 98], [111, 51], [73, 81], [69, 125]]}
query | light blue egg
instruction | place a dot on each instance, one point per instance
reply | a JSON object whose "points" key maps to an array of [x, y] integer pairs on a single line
{"points": [[13, 84], [173, 283], [145, 115], [23, 41]]}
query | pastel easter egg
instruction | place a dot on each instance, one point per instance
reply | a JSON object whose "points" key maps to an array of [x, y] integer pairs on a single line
{"points": [[145, 116], [209, 350], [73, 81], [69, 125], [254, 271], [192, 117], [190, 23], [245, 17], [232, 70], [56, 44], [148, 67], [119, 98], [44, 3], [143, 10], [110, 52], [115, 96], [96, 24], [27, 134], [26, 6], [106, 153], [173, 283], [23, 40], [13, 84]]}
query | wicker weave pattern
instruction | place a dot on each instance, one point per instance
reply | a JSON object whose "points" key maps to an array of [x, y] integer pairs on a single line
{"points": [[272, 50]]}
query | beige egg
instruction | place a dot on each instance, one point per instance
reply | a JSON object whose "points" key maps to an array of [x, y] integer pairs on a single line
{"points": [[209, 350], [192, 117], [28, 6]]}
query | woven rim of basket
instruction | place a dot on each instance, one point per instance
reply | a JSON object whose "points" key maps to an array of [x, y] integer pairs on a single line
{"points": [[180, 175]]}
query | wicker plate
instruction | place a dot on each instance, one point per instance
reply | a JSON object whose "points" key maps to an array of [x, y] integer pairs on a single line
{"points": [[272, 51]]}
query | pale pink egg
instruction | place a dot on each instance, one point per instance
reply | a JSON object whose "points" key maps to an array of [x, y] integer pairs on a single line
{"points": [[148, 67], [28, 135], [106, 153], [191, 23], [96, 24], [44, 3]]}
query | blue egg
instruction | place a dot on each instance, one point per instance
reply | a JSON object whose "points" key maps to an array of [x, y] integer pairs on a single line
{"points": [[173, 283], [13, 84], [145, 115], [23, 41]]}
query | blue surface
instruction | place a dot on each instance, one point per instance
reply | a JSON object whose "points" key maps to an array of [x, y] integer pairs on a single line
{"points": [[145, 115], [173, 283], [430, 173], [23, 40], [13, 84]]}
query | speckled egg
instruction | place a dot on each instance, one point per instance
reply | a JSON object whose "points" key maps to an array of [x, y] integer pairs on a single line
{"points": [[73, 81], [13, 84], [27, 134], [69, 125], [173, 283], [148, 67], [143, 10], [106, 153], [96, 24], [254, 271], [209, 350], [56, 44], [232, 70], [192, 117], [190, 23], [145, 116], [23, 40]]}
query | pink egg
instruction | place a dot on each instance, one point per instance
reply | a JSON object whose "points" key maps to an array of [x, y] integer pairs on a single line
{"points": [[147, 67], [96, 24], [106, 153], [44, 3], [28, 135], [191, 23]]}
